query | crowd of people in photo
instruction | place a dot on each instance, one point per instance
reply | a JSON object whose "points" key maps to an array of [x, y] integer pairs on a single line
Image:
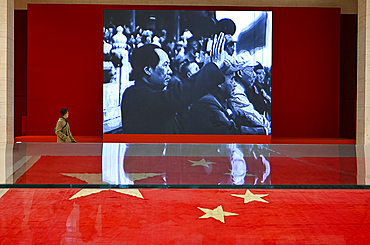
{"points": [[192, 85]]}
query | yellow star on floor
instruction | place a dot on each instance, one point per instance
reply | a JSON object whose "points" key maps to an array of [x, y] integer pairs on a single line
{"points": [[249, 197], [202, 162], [97, 179], [217, 213]]}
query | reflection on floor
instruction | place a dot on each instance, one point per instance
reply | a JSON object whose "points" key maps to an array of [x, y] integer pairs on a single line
{"points": [[191, 171], [122, 216], [189, 164], [227, 213]]}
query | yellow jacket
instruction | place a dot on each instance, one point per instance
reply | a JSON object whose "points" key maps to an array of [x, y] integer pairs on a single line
{"points": [[64, 135]]}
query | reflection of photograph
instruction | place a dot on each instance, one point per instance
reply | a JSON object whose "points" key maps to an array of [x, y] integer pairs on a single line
{"points": [[178, 164], [187, 72]]}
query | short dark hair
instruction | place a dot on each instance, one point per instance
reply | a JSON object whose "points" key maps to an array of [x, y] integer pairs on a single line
{"points": [[63, 111], [142, 57]]}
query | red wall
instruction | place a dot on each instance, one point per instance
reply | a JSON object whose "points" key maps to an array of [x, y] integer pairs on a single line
{"points": [[65, 69], [305, 75]]}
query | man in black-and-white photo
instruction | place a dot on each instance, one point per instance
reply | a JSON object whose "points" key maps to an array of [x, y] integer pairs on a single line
{"points": [[149, 106]]}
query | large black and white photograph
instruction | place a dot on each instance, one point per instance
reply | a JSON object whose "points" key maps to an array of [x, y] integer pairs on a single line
{"points": [[187, 72]]}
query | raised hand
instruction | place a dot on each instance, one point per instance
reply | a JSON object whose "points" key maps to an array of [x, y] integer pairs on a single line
{"points": [[218, 53]]}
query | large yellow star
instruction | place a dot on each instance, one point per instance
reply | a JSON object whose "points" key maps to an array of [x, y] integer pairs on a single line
{"points": [[89, 178], [249, 197], [87, 192], [217, 213], [202, 162], [97, 179]]}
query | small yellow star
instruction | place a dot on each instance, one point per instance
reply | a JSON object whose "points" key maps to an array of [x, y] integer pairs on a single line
{"points": [[202, 162], [217, 213], [249, 197]]}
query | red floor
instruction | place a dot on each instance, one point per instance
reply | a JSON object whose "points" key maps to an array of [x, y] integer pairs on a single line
{"points": [[131, 216], [184, 216], [178, 170]]}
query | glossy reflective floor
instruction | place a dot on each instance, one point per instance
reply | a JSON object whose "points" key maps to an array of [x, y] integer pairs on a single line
{"points": [[185, 165], [185, 194]]}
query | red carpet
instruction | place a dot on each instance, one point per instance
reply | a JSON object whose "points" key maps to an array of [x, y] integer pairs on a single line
{"points": [[175, 170], [47, 216], [178, 170], [49, 169], [313, 171], [186, 216]]}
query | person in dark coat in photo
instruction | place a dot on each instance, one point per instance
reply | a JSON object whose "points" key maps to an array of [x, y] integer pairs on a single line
{"points": [[209, 116], [214, 114]]}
